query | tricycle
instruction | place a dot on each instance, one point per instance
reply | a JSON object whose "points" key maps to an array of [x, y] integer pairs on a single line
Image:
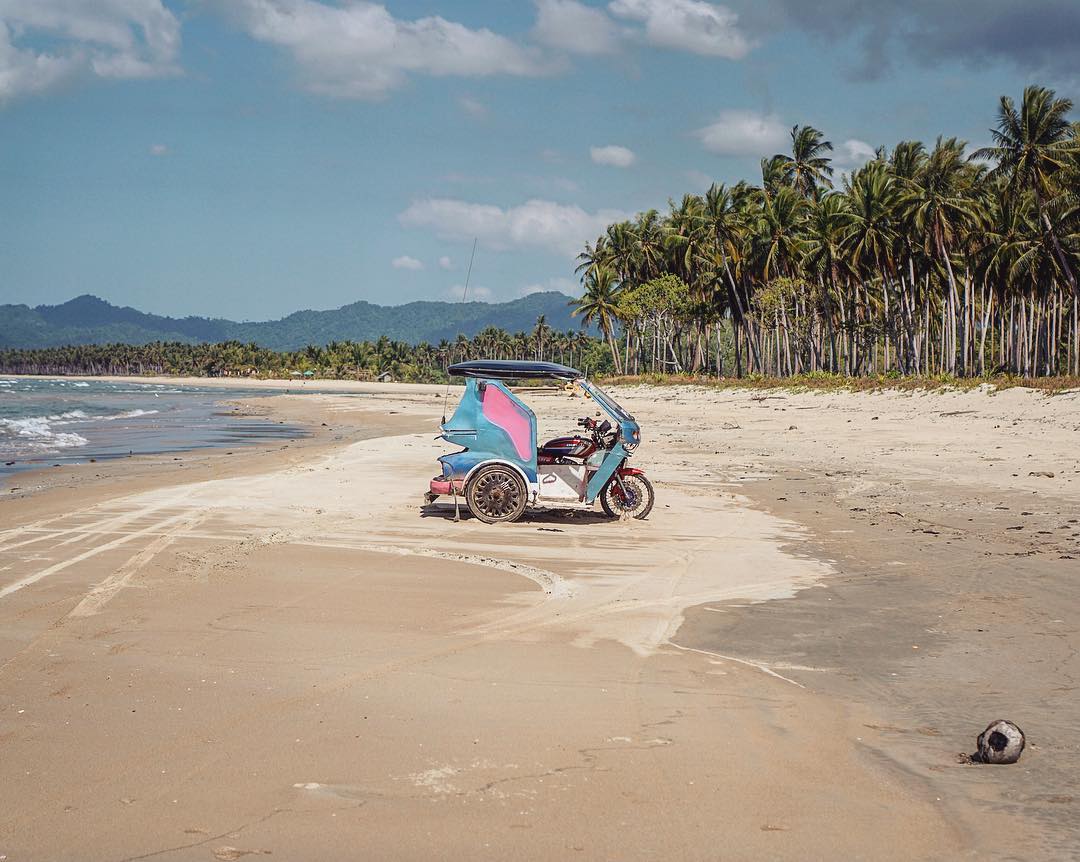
{"points": [[501, 471]]}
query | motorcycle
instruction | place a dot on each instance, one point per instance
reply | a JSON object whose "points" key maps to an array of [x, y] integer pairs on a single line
{"points": [[501, 471]]}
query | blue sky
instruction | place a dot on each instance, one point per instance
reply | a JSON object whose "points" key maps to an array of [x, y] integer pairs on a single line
{"points": [[247, 158]]}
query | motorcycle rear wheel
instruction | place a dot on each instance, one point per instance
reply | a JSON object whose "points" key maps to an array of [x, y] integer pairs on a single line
{"points": [[636, 503]]}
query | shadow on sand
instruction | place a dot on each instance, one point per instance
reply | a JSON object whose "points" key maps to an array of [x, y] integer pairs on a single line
{"points": [[551, 519]]}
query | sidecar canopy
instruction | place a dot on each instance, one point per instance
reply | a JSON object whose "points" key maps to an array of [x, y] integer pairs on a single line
{"points": [[513, 369]]}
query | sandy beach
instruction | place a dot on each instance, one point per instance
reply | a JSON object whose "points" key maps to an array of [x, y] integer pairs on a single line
{"points": [[279, 651]]}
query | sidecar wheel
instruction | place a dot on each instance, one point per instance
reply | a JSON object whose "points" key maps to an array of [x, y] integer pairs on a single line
{"points": [[637, 502], [496, 495]]}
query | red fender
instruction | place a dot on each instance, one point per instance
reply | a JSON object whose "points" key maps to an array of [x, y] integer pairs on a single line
{"points": [[630, 471]]}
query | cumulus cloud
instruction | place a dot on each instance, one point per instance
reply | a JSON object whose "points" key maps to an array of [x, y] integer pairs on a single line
{"points": [[1037, 36], [852, 154], [361, 51], [567, 25], [45, 43], [544, 224], [613, 155], [445, 263], [744, 133], [475, 293], [406, 262], [687, 25]]}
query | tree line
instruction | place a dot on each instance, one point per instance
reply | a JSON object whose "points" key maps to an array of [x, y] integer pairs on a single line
{"points": [[926, 260], [354, 360]]}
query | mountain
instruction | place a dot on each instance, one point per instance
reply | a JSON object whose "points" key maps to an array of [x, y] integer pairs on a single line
{"points": [[89, 320]]}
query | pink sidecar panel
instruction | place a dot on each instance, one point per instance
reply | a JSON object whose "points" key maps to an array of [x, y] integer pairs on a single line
{"points": [[500, 410]]}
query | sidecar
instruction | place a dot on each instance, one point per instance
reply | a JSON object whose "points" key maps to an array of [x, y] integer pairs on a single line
{"points": [[500, 470]]}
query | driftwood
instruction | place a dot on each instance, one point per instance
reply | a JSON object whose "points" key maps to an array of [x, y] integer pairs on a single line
{"points": [[1001, 742]]}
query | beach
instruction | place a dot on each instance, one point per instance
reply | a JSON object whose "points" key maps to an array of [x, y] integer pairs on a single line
{"points": [[277, 650]]}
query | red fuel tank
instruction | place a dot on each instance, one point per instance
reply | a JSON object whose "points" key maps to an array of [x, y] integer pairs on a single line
{"points": [[574, 446]]}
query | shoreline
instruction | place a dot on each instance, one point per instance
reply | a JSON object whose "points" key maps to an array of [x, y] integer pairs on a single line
{"points": [[614, 620], [1068, 385], [301, 385]]}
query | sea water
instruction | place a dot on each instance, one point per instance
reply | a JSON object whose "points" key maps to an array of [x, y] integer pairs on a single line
{"points": [[67, 420]]}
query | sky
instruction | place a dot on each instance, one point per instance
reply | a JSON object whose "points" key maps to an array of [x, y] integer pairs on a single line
{"points": [[249, 158]]}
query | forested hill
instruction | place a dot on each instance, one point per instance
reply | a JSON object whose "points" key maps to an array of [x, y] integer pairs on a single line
{"points": [[89, 320]]}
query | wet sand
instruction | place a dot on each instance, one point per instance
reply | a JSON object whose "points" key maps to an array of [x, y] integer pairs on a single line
{"points": [[285, 654]]}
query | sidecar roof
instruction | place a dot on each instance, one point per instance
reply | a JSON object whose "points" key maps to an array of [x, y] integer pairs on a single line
{"points": [[506, 369]]}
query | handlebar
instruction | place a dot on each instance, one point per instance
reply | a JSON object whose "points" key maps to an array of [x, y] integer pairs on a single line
{"points": [[598, 429]]}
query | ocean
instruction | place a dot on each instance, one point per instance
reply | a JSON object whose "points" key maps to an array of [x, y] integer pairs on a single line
{"points": [[67, 420]]}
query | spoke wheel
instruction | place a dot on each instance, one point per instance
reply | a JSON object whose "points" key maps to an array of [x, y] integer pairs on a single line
{"points": [[496, 495], [628, 496]]}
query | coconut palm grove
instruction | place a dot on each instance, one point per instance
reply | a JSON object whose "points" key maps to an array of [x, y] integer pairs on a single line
{"points": [[928, 260], [931, 260]]}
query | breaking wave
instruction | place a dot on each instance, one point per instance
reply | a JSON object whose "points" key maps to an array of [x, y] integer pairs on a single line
{"points": [[41, 434], [36, 434]]}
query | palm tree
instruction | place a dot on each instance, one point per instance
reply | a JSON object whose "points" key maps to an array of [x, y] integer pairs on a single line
{"points": [[648, 235], [872, 195], [939, 204], [807, 169], [598, 306], [1031, 147], [594, 255], [827, 228], [779, 230], [773, 174], [724, 214], [540, 331], [622, 250]]}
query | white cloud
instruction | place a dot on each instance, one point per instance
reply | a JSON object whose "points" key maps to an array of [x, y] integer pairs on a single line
{"points": [[699, 179], [558, 283], [744, 133], [473, 107], [159, 150], [445, 263], [475, 294], [45, 43], [406, 262], [575, 28], [687, 25], [853, 154], [361, 51], [539, 223], [613, 155]]}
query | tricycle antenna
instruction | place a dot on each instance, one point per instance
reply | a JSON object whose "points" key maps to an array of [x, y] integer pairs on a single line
{"points": [[464, 294]]}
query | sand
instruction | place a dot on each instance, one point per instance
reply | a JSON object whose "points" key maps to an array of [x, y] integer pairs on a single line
{"points": [[281, 652]]}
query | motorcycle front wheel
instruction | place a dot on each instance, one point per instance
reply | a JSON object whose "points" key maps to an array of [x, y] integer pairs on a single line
{"points": [[631, 496]]}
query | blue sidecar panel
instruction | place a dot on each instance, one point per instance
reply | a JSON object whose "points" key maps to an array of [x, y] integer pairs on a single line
{"points": [[490, 424]]}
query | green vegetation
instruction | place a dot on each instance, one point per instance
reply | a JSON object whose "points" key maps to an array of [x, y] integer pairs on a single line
{"points": [[823, 381], [926, 262], [350, 360]]}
